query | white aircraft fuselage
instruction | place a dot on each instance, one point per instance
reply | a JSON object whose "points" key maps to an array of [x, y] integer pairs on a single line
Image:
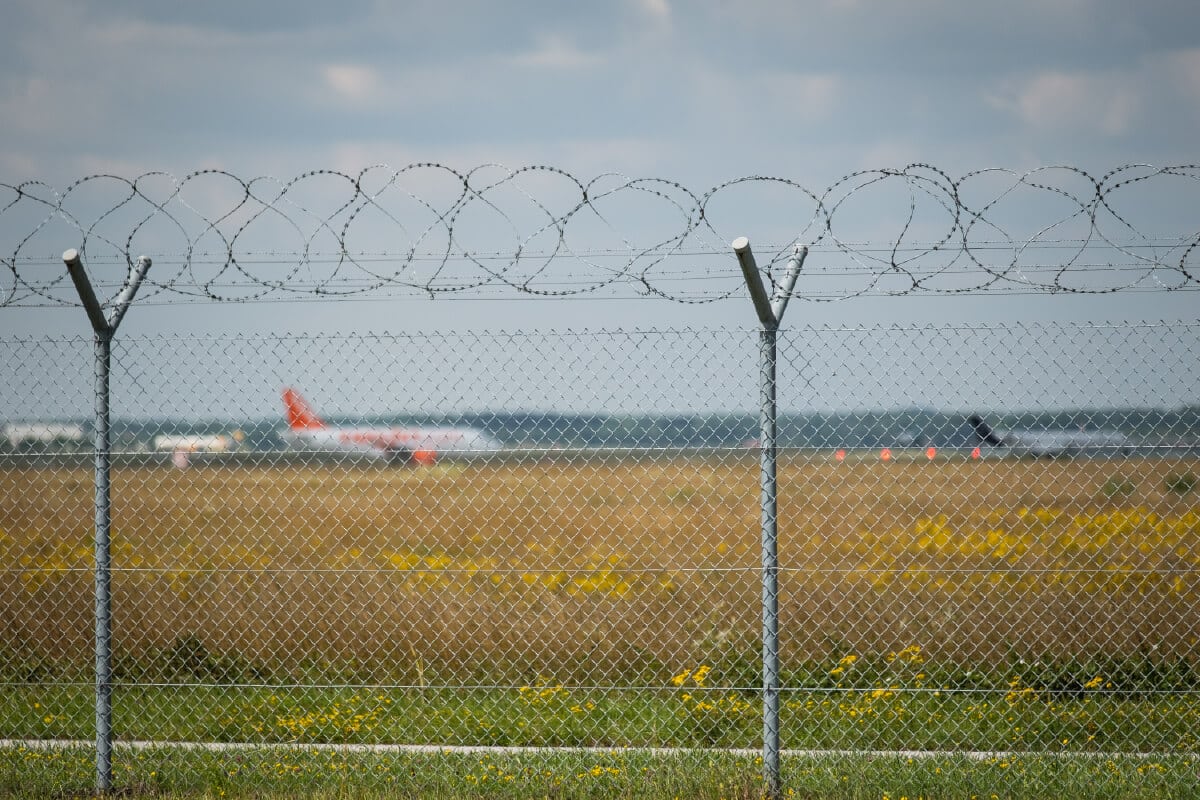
{"points": [[400, 444], [1051, 443]]}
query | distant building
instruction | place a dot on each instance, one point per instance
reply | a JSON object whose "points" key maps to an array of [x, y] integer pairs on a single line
{"points": [[194, 443], [42, 434]]}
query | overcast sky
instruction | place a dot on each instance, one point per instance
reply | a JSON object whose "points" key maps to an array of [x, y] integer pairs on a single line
{"points": [[699, 92]]}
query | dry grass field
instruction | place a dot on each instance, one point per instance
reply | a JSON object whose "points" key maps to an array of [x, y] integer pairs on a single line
{"points": [[600, 572]]}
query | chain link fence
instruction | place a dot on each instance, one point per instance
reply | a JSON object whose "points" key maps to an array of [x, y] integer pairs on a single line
{"points": [[986, 544]]}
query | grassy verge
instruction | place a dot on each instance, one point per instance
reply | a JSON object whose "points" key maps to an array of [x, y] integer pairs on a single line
{"points": [[898, 701], [1089, 743], [1019, 718], [288, 772]]}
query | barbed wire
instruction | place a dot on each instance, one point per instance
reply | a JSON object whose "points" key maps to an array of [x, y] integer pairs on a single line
{"points": [[428, 229]]}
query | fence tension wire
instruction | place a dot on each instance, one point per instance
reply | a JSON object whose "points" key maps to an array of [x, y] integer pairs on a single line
{"points": [[770, 314], [104, 328]]}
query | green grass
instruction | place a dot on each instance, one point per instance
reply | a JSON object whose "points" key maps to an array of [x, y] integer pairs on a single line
{"points": [[1021, 718], [292, 772], [1067, 741], [1104, 728], [1113, 729]]}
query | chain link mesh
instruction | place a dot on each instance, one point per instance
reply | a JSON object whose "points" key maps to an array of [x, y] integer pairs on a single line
{"points": [[592, 579]]}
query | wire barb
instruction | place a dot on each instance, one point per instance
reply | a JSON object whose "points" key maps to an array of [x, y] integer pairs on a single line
{"points": [[429, 229]]}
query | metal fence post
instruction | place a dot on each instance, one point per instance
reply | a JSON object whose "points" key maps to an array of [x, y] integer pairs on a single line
{"points": [[103, 328], [103, 618], [770, 312]]}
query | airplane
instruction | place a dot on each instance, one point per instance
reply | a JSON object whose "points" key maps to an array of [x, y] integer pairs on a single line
{"points": [[395, 445], [1051, 443]]}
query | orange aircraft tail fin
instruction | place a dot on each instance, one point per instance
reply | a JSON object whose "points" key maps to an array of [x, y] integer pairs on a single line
{"points": [[300, 416]]}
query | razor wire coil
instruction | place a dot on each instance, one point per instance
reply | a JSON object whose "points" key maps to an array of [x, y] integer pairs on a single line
{"points": [[432, 230]]}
